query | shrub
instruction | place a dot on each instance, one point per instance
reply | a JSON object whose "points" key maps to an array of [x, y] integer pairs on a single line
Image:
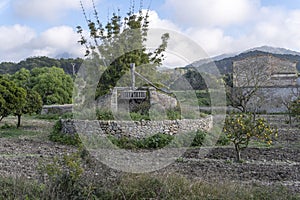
{"points": [[57, 136], [65, 178], [174, 113], [159, 140], [138, 116], [199, 138], [156, 141], [223, 140], [104, 115]]}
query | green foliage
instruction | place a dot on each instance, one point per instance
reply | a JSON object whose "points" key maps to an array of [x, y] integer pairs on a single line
{"points": [[104, 115], [66, 178], [171, 186], [22, 78], [138, 116], [20, 188], [174, 113], [239, 129], [67, 115], [121, 42], [295, 109], [132, 186], [33, 104], [156, 141], [42, 61], [159, 140], [57, 136], [12, 98], [199, 138], [223, 140], [9, 131], [54, 86]]}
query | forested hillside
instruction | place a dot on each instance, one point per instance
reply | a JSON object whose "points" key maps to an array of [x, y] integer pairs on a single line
{"points": [[33, 62]]}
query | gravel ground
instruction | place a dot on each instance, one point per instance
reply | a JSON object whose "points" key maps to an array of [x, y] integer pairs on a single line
{"points": [[277, 165]]}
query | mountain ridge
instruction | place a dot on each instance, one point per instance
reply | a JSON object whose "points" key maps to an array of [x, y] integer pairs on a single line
{"points": [[225, 65]]}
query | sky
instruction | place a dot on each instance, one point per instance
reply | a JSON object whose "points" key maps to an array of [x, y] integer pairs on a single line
{"points": [[48, 27]]}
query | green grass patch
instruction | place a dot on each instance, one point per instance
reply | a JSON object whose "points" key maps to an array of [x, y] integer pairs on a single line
{"points": [[53, 116], [142, 186], [10, 131]]}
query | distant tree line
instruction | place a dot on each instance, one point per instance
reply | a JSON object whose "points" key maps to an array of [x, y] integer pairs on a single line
{"points": [[34, 62]]}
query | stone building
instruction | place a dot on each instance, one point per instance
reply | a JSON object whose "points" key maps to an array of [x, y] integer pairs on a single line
{"points": [[264, 71], [276, 79]]}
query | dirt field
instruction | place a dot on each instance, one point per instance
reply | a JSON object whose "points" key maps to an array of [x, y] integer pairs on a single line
{"points": [[278, 165]]}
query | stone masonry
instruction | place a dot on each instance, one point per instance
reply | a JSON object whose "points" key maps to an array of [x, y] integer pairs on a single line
{"points": [[135, 129]]}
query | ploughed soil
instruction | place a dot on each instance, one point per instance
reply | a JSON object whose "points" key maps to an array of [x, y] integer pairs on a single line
{"points": [[276, 165]]}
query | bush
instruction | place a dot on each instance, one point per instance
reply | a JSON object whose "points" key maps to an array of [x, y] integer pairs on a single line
{"points": [[138, 116], [156, 141], [57, 136], [104, 115], [223, 140], [174, 113], [199, 138], [160, 140]]}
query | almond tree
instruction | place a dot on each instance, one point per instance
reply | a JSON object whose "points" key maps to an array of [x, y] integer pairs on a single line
{"points": [[109, 43], [243, 86]]}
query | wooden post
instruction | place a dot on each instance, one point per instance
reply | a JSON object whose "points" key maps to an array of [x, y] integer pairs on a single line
{"points": [[132, 70]]}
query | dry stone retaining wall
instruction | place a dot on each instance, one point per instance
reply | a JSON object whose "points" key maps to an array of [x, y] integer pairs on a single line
{"points": [[136, 129]]}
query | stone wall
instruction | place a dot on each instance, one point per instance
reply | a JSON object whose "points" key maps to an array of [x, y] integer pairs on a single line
{"points": [[264, 71], [136, 129], [56, 109]]}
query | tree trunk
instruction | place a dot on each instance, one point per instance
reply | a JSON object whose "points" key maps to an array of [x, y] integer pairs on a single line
{"points": [[238, 153], [19, 121]]}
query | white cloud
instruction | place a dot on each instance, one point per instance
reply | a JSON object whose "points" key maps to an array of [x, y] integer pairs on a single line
{"points": [[221, 26], [213, 12], [156, 22], [19, 42], [276, 27], [56, 41], [14, 40], [212, 40], [47, 9]]}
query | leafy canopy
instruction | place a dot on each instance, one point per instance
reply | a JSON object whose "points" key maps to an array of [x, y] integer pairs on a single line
{"points": [[118, 44], [240, 128]]}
